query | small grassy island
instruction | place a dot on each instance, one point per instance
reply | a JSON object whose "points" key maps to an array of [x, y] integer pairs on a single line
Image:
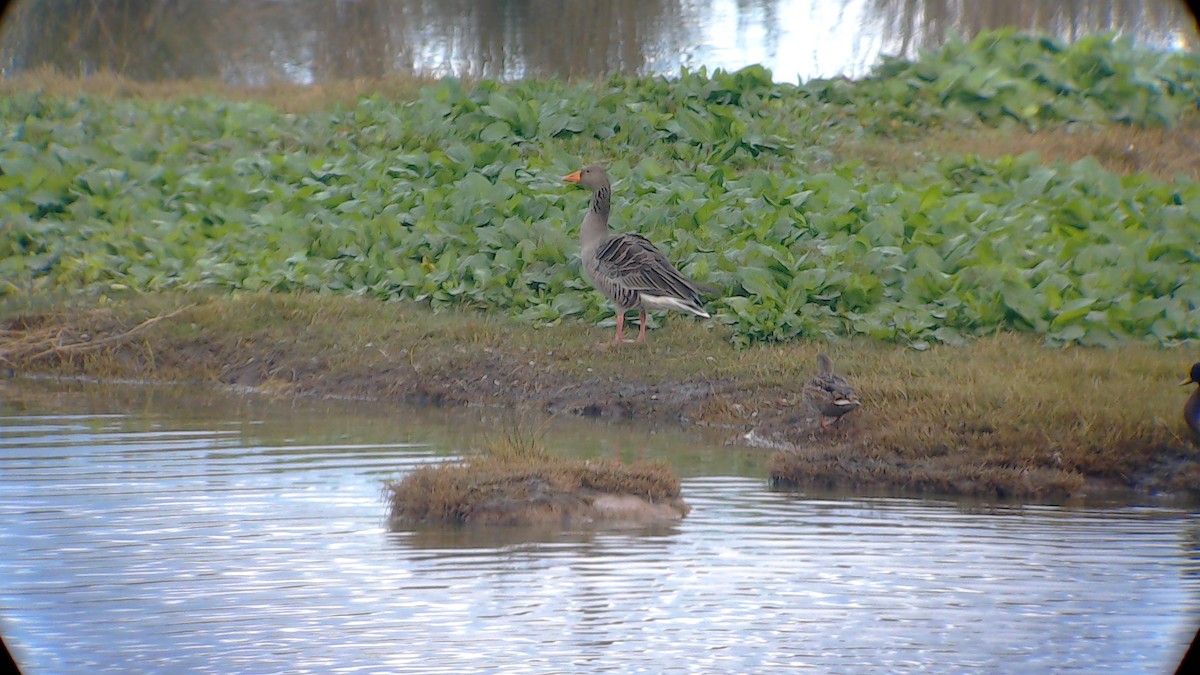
{"points": [[521, 484], [997, 244]]}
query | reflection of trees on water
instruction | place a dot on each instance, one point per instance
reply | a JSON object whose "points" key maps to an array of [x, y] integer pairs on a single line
{"points": [[922, 24], [511, 38], [145, 40], [256, 41]]}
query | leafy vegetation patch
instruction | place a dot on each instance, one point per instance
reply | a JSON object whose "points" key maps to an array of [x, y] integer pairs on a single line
{"points": [[1002, 77], [454, 198]]}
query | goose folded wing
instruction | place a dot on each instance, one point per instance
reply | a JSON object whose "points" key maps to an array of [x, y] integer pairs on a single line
{"points": [[633, 263]]}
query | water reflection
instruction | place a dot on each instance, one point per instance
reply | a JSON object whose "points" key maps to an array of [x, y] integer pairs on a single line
{"points": [[255, 42], [182, 537]]}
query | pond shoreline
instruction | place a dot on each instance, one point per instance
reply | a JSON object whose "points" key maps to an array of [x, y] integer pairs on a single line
{"points": [[1000, 418]]}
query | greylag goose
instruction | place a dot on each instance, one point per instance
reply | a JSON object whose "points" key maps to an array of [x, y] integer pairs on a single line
{"points": [[829, 393], [627, 268], [1191, 409]]}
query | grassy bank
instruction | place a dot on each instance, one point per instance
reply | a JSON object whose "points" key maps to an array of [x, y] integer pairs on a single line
{"points": [[1000, 416]]}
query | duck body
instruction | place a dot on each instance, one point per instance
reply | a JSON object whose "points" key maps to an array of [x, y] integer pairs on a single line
{"points": [[1191, 409], [829, 394], [627, 268]]}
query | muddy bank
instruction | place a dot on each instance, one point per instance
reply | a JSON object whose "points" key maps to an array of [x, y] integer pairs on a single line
{"points": [[1001, 417]]}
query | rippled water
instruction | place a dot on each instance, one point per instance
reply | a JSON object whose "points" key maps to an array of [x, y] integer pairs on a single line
{"points": [[199, 535]]}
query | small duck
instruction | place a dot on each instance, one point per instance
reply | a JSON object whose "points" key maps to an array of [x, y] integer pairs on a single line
{"points": [[1191, 409], [829, 394]]}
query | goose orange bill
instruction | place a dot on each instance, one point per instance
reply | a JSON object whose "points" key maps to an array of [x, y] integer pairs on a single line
{"points": [[572, 177]]}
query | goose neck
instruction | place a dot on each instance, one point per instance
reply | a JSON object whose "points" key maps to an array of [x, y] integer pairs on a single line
{"points": [[602, 201], [595, 224]]}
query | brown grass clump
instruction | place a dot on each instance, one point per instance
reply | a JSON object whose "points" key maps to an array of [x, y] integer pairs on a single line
{"points": [[1163, 152], [843, 467], [26, 339], [1004, 417], [516, 482]]}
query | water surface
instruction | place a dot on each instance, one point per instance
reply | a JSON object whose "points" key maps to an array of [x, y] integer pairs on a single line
{"points": [[255, 42], [152, 531]]}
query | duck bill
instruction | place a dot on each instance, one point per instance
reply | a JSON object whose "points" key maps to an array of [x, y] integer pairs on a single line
{"points": [[573, 177], [1187, 381]]}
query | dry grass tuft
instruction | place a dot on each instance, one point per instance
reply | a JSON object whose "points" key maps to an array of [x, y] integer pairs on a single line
{"points": [[26, 339], [70, 339], [1165, 153], [518, 440]]}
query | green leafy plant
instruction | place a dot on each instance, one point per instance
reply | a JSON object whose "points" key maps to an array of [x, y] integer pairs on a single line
{"points": [[454, 198]]}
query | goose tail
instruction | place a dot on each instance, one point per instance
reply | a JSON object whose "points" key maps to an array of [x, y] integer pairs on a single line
{"points": [[689, 305]]}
